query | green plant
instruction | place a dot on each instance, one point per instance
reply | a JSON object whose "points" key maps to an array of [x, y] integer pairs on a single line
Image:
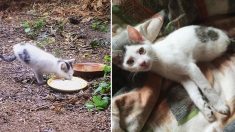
{"points": [[100, 26], [107, 70], [103, 88], [107, 58], [32, 28], [97, 103]]}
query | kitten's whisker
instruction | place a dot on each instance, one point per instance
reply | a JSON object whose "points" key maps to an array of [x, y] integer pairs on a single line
{"points": [[133, 78], [130, 76]]}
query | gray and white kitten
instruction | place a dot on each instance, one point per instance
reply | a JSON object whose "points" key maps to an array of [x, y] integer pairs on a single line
{"points": [[41, 61], [175, 58]]}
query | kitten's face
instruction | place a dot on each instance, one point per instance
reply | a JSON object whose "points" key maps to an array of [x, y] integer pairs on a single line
{"points": [[138, 58], [65, 69]]}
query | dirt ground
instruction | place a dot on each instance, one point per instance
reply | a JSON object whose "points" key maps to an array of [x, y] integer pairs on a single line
{"points": [[27, 107]]}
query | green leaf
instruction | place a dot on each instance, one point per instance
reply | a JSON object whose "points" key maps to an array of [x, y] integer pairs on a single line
{"points": [[107, 68], [106, 98], [25, 24], [107, 58], [27, 30], [103, 88], [99, 108], [99, 102], [89, 105]]}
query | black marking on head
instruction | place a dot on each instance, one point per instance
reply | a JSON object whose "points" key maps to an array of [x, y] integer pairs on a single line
{"points": [[24, 56], [67, 65], [71, 64], [205, 35]]}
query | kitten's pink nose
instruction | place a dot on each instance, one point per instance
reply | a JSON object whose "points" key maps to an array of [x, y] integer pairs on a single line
{"points": [[144, 64]]}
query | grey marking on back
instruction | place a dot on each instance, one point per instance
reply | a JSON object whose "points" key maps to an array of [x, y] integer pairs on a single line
{"points": [[24, 56], [205, 35], [213, 35]]}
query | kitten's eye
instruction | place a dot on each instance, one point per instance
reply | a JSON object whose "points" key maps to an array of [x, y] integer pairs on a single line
{"points": [[141, 51], [130, 61]]}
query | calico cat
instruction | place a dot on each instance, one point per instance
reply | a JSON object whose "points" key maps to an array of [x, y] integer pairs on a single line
{"points": [[41, 61], [175, 58]]}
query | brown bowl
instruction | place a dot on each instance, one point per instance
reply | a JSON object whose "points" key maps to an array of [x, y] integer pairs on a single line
{"points": [[88, 70]]}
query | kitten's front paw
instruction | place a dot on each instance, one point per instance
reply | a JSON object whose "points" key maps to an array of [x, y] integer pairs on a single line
{"points": [[41, 83], [223, 109], [208, 113]]}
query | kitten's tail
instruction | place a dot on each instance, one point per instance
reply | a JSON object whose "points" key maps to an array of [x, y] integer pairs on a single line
{"points": [[9, 58]]}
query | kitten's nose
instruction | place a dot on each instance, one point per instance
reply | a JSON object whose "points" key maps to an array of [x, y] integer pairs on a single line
{"points": [[144, 64]]}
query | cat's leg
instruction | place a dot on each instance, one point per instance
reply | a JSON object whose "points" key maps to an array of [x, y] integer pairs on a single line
{"points": [[196, 97], [39, 77], [214, 99]]}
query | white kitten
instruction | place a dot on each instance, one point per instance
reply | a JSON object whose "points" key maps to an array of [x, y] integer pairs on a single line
{"points": [[175, 58], [41, 61]]}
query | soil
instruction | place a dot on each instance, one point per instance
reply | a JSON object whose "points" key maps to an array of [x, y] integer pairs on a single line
{"points": [[28, 107]]}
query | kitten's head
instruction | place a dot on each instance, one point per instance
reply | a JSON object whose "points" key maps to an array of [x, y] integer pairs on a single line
{"points": [[65, 69], [138, 57]]}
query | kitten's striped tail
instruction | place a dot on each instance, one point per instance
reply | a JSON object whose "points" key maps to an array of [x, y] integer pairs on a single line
{"points": [[9, 58]]}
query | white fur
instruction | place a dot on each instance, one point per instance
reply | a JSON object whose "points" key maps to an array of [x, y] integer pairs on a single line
{"points": [[41, 61], [175, 58]]}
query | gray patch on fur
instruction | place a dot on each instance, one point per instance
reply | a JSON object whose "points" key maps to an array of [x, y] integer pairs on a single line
{"points": [[205, 35], [213, 35], [201, 34], [25, 56]]}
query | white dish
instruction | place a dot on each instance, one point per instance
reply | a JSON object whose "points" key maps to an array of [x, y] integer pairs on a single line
{"points": [[74, 84]]}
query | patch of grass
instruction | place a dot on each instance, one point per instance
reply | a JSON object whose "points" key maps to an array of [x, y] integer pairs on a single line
{"points": [[32, 28], [100, 26]]}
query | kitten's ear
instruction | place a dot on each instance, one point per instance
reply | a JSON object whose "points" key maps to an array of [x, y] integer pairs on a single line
{"points": [[63, 67], [134, 35], [151, 28], [71, 62]]}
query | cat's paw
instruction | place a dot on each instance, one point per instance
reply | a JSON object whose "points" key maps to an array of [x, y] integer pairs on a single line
{"points": [[208, 113], [41, 83], [222, 109]]}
